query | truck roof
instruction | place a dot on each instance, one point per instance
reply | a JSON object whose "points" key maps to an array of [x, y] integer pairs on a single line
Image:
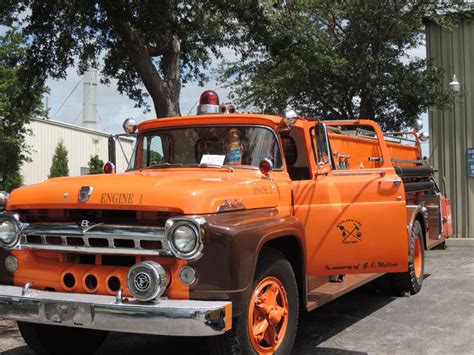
{"points": [[247, 118]]}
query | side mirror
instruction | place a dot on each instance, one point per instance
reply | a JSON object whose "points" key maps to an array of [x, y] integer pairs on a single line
{"points": [[424, 137], [130, 126]]}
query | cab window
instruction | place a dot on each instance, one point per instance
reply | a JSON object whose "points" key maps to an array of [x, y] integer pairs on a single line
{"points": [[322, 148], [355, 147]]}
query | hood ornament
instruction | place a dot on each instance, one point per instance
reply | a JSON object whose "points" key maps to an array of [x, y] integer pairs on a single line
{"points": [[85, 193]]}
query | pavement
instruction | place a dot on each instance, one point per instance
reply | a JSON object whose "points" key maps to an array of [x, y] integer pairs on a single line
{"points": [[438, 320]]}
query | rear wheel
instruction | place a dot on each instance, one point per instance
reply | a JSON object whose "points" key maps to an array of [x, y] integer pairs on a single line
{"points": [[51, 339], [412, 280], [269, 325]]}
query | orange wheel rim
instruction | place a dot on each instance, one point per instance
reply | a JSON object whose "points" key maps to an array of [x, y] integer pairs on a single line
{"points": [[418, 258], [268, 315]]}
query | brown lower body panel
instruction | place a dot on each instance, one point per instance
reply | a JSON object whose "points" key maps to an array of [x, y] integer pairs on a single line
{"points": [[329, 291], [432, 243], [324, 291]]}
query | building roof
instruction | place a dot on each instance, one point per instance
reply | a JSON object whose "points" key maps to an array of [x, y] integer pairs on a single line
{"points": [[463, 10], [77, 128]]}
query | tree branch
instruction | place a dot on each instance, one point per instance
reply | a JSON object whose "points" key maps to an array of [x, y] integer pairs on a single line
{"points": [[139, 54], [154, 51]]}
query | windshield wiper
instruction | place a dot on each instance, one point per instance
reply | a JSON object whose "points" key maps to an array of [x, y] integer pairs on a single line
{"points": [[216, 166], [204, 165], [162, 165], [169, 165]]}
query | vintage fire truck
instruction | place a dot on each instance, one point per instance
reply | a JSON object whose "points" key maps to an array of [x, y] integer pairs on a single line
{"points": [[225, 226]]}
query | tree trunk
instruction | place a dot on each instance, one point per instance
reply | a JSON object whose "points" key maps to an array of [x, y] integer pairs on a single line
{"points": [[367, 107], [163, 91]]}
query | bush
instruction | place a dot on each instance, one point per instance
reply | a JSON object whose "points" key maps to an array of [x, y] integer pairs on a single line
{"points": [[59, 167], [96, 165]]}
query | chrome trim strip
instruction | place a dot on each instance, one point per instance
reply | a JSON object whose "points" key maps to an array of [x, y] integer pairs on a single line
{"points": [[416, 161], [368, 172], [96, 250], [166, 317]]}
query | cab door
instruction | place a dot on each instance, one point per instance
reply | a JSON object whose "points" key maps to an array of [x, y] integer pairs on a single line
{"points": [[355, 218]]}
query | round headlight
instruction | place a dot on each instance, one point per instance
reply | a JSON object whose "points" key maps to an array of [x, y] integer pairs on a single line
{"points": [[184, 238], [8, 231]]}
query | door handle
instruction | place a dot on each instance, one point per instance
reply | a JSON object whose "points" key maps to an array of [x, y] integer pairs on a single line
{"points": [[396, 182]]}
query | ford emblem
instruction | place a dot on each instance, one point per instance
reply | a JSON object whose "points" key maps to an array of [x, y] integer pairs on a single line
{"points": [[85, 192]]}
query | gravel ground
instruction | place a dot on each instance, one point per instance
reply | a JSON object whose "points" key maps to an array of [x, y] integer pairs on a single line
{"points": [[439, 320]]}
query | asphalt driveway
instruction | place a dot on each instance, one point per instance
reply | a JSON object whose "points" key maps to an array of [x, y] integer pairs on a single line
{"points": [[439, 320]]}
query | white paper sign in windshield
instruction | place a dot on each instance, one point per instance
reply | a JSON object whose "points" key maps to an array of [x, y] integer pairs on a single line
{"points": [[213, 159]]}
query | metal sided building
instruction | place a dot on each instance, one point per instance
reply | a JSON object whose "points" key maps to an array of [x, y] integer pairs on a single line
{"points": [[452, 130], [81, 143]]}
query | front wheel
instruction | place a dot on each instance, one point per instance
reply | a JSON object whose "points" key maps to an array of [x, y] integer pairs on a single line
{"points": [[269, 325], [412, 280], [52, 339]]}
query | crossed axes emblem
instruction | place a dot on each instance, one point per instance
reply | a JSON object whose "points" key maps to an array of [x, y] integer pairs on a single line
{"points": [[346, 234]]}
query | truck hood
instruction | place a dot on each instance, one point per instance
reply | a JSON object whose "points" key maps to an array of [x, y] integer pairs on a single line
{"points": [[187, 191]]}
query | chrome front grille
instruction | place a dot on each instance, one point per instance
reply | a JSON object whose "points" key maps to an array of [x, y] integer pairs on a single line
{"points": [[95, 239]]}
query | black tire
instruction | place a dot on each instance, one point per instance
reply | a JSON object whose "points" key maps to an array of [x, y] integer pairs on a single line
{"points": [[410, 281], [237, 341], [51, 339]]}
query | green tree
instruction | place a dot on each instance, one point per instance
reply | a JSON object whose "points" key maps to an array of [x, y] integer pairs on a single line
{"points": [[96, 165], [156, 45], [59, 166], [340, 59], [20, 99], [13, 181]]}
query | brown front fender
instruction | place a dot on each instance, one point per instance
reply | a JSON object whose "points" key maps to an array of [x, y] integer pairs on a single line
{"points": [[232, 246]]}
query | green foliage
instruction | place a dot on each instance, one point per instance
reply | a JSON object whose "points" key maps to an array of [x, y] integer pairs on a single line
{"points": [[20, 98], [96, 165], [157, 45], [156, 158], [13, 181], [59, 166], [340, 59]]}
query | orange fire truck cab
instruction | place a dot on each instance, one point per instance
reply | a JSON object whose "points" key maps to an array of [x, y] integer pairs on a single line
{"points": [[223, 226]]}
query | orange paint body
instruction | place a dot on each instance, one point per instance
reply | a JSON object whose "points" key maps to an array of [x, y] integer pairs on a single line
{"points": [[354, 219]]}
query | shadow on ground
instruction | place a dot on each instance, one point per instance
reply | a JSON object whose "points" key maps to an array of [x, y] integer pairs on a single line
{"points": [[314, 328]]}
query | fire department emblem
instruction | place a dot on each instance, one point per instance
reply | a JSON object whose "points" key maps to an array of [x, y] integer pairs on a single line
{"points": [[85, 193], [350, 230], [142, 281]]}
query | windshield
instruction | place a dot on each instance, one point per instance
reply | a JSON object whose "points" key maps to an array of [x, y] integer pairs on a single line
{"points": [[234, 146]]}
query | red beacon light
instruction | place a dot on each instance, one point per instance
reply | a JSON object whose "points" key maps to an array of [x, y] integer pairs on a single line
{"points": [[209, 103], [109, 168]]}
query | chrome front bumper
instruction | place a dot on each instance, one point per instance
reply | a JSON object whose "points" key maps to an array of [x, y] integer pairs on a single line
{"points": [[166, 317]]}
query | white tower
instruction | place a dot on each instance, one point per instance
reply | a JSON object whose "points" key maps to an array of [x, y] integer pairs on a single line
{"points": [[89, 99]]}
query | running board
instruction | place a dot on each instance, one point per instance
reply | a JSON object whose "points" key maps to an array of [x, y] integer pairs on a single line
{"points": [[332, 290]]}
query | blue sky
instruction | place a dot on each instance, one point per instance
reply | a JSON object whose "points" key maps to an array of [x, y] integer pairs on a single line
{"points": [[112, 107]]}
